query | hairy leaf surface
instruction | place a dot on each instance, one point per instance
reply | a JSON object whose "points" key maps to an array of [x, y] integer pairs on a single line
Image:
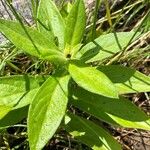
{"points": [[46, 111], [75, 24], [18, 91], [92, 80], [50, 21]]}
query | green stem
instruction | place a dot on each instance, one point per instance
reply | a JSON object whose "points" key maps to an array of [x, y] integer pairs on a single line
{"points": [[97, 4], [108, 13]]}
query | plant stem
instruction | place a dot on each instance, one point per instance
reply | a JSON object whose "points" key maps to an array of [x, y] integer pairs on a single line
{"points": [[108, 14], [95, 19]]}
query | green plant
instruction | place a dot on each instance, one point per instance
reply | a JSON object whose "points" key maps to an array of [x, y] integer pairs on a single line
{"points": [[96, 90]]}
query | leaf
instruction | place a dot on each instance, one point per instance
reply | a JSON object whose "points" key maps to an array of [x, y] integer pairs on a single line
{"points": [[13, 117], [4, 110], [75, 23], [105, 46], [65, 9], [30, 40], [46, 111], [92, 80], [18, 91], [126, 80], [50, 20], [91, 134], [119, 112]]}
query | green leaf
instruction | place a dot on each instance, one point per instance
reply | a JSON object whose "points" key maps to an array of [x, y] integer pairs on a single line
{"points": [[4, 110], [75, 23], [104, 46], [92, 80], [18, 91], [126, 80], [46, 111], [30, 40], [65, 9], [90, 134], [50, 20], [113, 111], [13, 117]]}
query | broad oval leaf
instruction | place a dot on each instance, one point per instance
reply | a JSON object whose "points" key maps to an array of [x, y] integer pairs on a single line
{"points": [[118, 112], [92, 80], [13, 117], [4, 109], [50, 20], [105, 46], [30, 40], [46, 111], [75, 23], [90, 134], [126, 80], [18, 90]]}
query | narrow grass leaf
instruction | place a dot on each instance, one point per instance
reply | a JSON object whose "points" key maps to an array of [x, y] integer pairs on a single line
{"points": [[91, 134], [46, 111], [92, 79]]}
